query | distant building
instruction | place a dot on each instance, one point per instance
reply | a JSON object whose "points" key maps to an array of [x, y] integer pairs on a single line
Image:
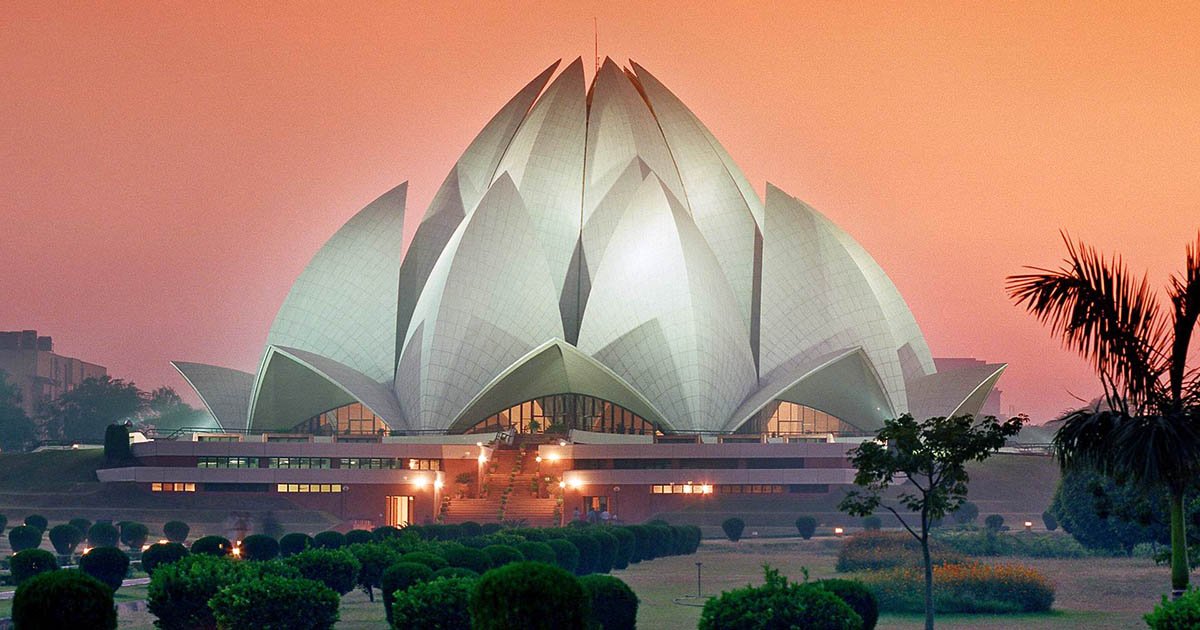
{"points": [[991, 405], [30, 361]]}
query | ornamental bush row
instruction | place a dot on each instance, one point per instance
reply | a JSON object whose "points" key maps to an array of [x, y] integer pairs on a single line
{"points": [[66, 537], [963, 588]]}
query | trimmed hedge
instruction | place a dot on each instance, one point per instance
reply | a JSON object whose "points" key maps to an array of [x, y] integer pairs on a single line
{"points": [[963, 588], [528, 595], [335, 568], [500, 555], [329, 540], [134, 535], [103, 535], [609, 546], [212, 546], [442, 604], [29, 563], [38, 521], [626, 547], [467, 558], [398, 578], [359, 537], [537, 552], [65, 538], [589, 552], [179, 592], [259, 547], [858, 596], [806, 526], [176, 531], [733, 528], [373, 560], [293, 543], [431, 560], [272, 601], [64, 599], [778, 604], [24, 537], [566, 554], [107, 564], [455, 572], [160, 554], [82, 524], [612, 603]]}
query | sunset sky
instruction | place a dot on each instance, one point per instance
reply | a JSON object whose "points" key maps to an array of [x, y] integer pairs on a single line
{"points": [[167, 171]]}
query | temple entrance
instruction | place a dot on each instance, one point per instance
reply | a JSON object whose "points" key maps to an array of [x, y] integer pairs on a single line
{"points": [[399, 511], [562, 412]]}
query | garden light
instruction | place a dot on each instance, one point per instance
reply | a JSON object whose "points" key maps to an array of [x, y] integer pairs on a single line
{"points": [[1028, 526], [437, 484], [838, 531]]}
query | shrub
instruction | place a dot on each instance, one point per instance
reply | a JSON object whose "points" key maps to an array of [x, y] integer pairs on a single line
{"points": [[642, 543], [399, 577], [491, 528], [869, 551], [733, 528], [176, 531], [589, 552], [454, 572], [65, 538], [608, 550], [994, 522], [528, 595], [272, 601], [431, 560], [179, 592], [103, 535], [470, 528], [1049, 520], [212, 546], [537, 552], [160, 554], [612, 603], [64, 599], [373, 560], [966, 513], [467, 558], [806, 526], [358, 537], [335, 568], [3, 523], [1180, 613], [31, 562], [24, 537], [661, 539], [963, 588], [500, 555], [778, 604], [440, 604], [38, 521], [1033, 545], [385, 532], [293, 543], [134, 535], [858, 596], [566, 554], [872, 523], [626, 546], [260, 547], [329, 540], [107, 564], [82, 524]]}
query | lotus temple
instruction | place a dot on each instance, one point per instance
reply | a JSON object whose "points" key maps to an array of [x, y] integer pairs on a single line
{"points": [[597, 313]]}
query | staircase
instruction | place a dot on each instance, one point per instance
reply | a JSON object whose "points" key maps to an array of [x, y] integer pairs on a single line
{"points": [[510, 495]]}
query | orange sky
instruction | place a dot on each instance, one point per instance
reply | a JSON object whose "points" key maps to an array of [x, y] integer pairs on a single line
{"points": [[165, 173]]}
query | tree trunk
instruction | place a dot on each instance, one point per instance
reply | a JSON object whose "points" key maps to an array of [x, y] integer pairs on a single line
{"points": [[928, 573], [1179, 550]]}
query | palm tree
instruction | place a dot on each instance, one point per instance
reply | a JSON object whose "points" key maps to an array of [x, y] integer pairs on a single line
{"points": [[1147, 428]]}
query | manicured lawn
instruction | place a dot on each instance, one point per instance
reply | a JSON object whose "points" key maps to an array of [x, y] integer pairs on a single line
{"points": [[1099, 593], [49, 471]]}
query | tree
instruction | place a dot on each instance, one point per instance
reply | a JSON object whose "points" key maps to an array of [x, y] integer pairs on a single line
{"points": [[83, 413], [931, 456], [1146, 429], [17, 431]]}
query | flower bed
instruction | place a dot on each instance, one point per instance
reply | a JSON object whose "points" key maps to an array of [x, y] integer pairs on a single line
{"points": [[963, 588], [874, 550]]}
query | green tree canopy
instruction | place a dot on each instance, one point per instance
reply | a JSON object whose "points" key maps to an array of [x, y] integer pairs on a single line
{"points": [[17, 431], [84, 413]]}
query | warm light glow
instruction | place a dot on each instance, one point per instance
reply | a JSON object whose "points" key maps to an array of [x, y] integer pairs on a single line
{"points": [[482, 458], [553, 457], [562, 484], [237, 552], [479, 444], [538, 459], [575, 484], [420, 482], [1028, 525], [162, 541], [85, 551], [145, 546], [838, 531], [706, 489], [437, 484]]}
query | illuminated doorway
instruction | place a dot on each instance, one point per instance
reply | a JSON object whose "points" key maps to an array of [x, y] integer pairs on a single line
{"points": [[399, 511]]}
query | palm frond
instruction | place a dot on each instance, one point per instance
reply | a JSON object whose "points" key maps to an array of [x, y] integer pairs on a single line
{"points": [[1103, 313], [1085, 440], [1157, 450], [1184, 292]]}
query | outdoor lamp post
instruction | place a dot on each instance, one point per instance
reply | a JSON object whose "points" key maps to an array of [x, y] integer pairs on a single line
{"points": [[698, 565]]}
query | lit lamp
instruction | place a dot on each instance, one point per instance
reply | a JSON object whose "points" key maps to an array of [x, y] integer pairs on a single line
{"points": [[1028, 526], [562, 484], [838, 531], [538, 459], [437, 484]]}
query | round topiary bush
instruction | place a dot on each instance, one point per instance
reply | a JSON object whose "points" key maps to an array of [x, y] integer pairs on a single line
{"points": [[441, 603], [1049, 520], [64, 599], [260, 547], [212, 546], [528, 595], [383, 533], [500, 555], [471, 528], [179, 592], [966, 513], [537, 552], [467, 558], [431, 560], [24, 537], [103, 535], [329, 540], [82, 524], [359, 537], [335, 568], [399, 577], [454, 572], [176, 531], [107, 564], [608, 550], [272, 601], [612, 603], [566, 554], [134, 535], [38, 521], [626, 547], [806, 526], [160, 554], [29, 563], [65, 538], [778, 604], [643, 544], [858, 596], [373, 560], [994, 522], [733, 528], [589, 552], [293, 543]]}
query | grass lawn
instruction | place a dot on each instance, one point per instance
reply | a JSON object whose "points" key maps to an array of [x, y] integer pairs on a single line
{"points": [[1100, 593]]}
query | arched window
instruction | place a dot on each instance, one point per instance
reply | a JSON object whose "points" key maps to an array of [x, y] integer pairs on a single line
{"points": [[352, 419], [782, 418], [562, 412]]}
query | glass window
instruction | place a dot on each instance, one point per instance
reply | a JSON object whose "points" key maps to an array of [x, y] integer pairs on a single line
{"points": [[561, 412]]}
